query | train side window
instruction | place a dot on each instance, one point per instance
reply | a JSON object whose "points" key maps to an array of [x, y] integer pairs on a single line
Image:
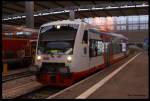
{"points": [[93, 48], [117, 48], [85, 37], [124, 47], [100, 47]]}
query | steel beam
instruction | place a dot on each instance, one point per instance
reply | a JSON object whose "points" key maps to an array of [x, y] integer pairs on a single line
{"points": [[58, 9], [29, 6], [71, 15]]}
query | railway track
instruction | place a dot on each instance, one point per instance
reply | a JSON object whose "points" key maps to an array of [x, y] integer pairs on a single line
{"points": [[41, 93], [16, 76]]}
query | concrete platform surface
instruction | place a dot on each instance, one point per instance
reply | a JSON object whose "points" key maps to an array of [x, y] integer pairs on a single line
{"points": [[130, 83]]}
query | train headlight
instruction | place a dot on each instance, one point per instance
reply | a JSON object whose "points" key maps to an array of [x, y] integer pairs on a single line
{"points": [[69, 58], [39, 57], [58, 27]]}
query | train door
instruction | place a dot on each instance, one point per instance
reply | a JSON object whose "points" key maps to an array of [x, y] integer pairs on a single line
{"points": [[107, 53], [84, 51]]}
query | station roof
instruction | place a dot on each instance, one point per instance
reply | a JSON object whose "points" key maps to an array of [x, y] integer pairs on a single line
{"points": [[83, 9]]}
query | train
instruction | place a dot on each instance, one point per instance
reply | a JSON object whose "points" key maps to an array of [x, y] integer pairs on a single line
{"points": [[18, 46], [68, 51]]}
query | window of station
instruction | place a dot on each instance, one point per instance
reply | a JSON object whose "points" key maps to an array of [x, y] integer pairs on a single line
{"points": [[121, 20], [121, 27], [118, 27], [135, 27], [143, 26], [143, 19], [129, 20], [146, 26], [111, 27], [130, 27], [96, 48], [133, 19]]}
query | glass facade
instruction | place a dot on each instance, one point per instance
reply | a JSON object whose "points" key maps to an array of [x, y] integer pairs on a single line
{"points": [[120, 23]]}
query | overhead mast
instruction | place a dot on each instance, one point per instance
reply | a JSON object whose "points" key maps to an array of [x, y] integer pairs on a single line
{"points": [[71, 14]]}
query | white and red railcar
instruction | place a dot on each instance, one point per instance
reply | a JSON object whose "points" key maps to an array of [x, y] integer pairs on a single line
{"points": [[69, 50]]}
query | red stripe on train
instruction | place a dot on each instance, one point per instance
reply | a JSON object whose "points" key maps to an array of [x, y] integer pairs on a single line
{"points": [[45, 79]]}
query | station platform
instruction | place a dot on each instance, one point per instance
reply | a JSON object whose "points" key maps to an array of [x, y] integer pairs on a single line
{"points": [[127, 79]]}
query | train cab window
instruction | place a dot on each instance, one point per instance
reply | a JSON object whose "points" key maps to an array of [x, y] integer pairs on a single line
{"points": [[85, 37]]}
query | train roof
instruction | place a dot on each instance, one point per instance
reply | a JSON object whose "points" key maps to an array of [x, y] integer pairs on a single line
{"points": [[62, 22], [95, 29], [108, 33], [117, 35]]}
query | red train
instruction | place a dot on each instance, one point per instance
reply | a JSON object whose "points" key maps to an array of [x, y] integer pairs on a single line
{"points": [[68, 51], [17, 45]]}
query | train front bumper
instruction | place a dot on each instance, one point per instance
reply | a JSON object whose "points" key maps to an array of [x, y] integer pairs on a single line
{"points": [[55, 79], [34, 69]]}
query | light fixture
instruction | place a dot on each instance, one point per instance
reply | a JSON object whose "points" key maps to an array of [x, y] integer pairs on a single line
{"points": [[69, 58], [58, 27], [39, 57]]}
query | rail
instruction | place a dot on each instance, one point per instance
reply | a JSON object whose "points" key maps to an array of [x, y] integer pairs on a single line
{"points": [[16, 76]]}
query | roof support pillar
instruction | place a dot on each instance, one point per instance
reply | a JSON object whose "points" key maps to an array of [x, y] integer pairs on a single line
{"points": [[127, 23], [115, 24], [139, 23], [71, 15], [29, 7]]}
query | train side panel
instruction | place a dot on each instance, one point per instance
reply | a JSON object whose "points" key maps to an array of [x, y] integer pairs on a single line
{"points": [[83, 64], [80, 60], [16, 45]]}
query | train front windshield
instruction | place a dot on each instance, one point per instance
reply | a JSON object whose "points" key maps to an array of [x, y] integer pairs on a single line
{"points": [[57, 39]]}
